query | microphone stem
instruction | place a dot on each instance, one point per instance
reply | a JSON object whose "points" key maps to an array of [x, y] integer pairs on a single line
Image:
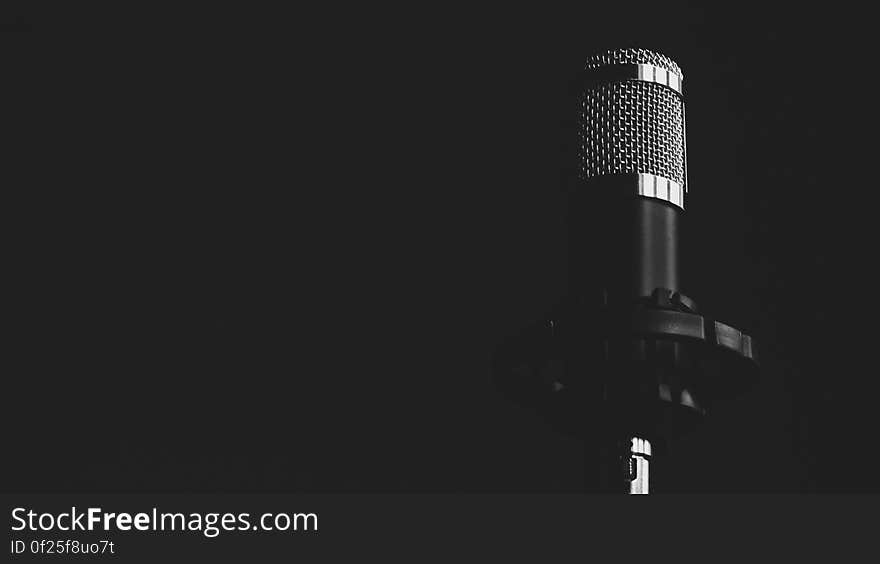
{"points": [[639, 460], [624, 466]]}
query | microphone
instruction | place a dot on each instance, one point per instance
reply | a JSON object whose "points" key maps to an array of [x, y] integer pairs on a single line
{"points": [[626, 362]]}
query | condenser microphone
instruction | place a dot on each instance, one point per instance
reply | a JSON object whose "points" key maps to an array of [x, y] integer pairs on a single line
{"points": [[627, 362], [632, 172]]}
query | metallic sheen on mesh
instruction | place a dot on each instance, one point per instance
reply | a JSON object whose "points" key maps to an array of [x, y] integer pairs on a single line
{"points": [[631, 127]]}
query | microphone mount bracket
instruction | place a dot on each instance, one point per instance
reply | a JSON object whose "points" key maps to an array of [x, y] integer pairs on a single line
{"points": [[651, 370]]}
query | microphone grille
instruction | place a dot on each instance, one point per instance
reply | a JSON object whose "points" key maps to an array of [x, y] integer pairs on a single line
{"points": [[633, 123]]}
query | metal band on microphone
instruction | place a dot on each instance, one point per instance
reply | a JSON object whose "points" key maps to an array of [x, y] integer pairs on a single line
{"points": [[651, 186], [644, 184], [646, 73]]}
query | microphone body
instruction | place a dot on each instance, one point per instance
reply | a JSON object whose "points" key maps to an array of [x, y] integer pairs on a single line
{"points": [[621, 248], [625, 211], [632, 172], [626, 362]]}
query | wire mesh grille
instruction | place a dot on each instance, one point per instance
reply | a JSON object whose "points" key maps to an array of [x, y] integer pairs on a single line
{"points": [[631, 127]]}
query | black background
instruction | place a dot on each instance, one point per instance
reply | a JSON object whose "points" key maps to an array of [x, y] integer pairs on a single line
{"points": [[274, 251]]}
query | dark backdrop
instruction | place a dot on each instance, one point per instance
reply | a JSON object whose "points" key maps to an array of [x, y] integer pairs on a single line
{"points": [[275, 251]]}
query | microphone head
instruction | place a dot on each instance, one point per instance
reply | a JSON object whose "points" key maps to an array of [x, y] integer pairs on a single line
{"points": [[631, 124]]}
